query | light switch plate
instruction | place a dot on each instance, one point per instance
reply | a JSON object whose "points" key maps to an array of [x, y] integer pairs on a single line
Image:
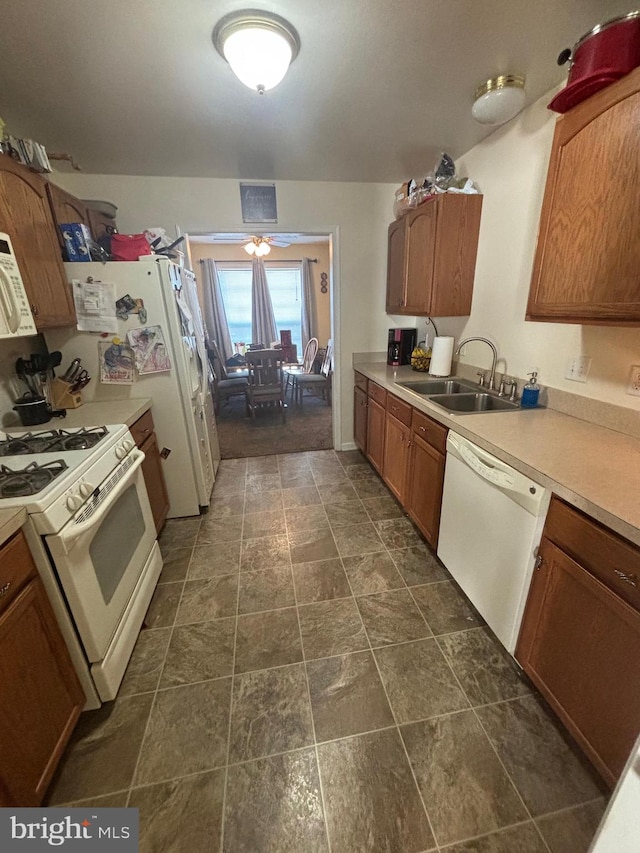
{"points": [[633, 386], [578, 368]]}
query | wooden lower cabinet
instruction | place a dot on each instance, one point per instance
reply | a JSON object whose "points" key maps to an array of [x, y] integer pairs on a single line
{"points": [[396, 455], [375, 434], [360, 418], [41, 697], [143, 432], [424, 487], [580, 640]]}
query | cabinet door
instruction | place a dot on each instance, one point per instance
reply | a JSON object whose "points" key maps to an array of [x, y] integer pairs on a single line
{"points": [[457, 234], [587, 262], [420, 249], [396, 451], [25, 215], [66, 208], [396, 267], [375, 434], [154, 481], [41, 697], [360, 418], [580, 645], [424, 488]]}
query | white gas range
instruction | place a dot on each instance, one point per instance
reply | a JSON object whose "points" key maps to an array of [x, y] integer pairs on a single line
{"points": [[92, 535]]}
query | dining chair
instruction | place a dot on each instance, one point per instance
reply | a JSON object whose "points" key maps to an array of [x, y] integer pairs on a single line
{"points": [[266, 380], [320, 381], [308, 358], [224, 386]]}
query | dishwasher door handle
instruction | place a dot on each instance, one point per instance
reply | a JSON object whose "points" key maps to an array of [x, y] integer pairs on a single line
{"points": [[487, 472]]}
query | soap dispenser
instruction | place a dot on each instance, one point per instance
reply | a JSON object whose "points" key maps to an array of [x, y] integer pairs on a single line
{"points": [[530, 392]]}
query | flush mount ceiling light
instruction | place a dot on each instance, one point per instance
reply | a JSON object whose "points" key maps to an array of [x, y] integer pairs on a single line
{"points": [[259, 47], [499, 99], [258, 246]]}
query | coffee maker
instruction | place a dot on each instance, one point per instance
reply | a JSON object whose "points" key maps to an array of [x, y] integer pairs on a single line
{"points": [[401, 344]]}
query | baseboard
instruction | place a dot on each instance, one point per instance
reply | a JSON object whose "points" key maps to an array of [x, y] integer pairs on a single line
{"points": [[349, 445]]}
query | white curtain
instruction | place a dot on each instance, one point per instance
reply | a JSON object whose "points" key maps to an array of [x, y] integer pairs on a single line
{"points": [[263, 322], [215, 317], [307, 302]]}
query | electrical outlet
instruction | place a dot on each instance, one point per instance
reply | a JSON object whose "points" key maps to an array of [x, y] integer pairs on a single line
{"points": [[633, 386], [578, 368]]}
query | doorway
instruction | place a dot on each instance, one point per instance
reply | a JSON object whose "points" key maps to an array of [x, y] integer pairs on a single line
{"points": [[311, 417]]}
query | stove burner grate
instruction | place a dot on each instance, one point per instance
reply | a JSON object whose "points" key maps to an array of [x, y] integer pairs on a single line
{"points": [[51, 441], [30, 480]]}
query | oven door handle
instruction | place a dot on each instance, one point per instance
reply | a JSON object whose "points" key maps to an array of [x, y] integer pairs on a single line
{"points": [[70, 534]]}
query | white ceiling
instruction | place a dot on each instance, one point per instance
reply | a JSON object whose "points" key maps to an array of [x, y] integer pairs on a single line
{"points": [[379, 89]]}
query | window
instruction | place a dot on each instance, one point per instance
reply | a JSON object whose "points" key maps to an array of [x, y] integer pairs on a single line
{"points": [[285, 287]]}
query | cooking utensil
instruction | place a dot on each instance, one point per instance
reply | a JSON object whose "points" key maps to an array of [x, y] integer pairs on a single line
{"points": [[80, 381], [73, 368], [34, 410], [24, 373]]}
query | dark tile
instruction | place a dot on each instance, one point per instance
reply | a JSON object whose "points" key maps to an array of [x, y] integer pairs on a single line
{"points": [[233, 466], [109, 801], [369, 573], [351, 457], [184, 814], [175, 564], [300, 497], [266, 590], [296, 478], [146, 662], [346, 514], [485, 670], [307, 518], [329, 476], [102, 753], [398, 533], [269, 713], [187, 731], [269, 523], [320, 581], [392, 617], [419, 682], [229, 485], [347, 696], [516, 839], [223, 508], [210, 598], [294, 462], [271, 552], [380, 509], [307, 546], [179, 533], [262, 465], [331, 628], [464, 787], [445, 608], [274, 805], [419, 565], [221, 558], [548, 772], [371, 800], [337, 493], [199, 652], [357, 539], [572, 830], [370, 486], [262, 501], [262, 482], [216, 530], [265, 640], [163, 606], [358, 472]]}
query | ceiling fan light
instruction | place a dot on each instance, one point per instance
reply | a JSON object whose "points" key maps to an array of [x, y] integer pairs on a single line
{"points": [[250, 247], [499, 99]]}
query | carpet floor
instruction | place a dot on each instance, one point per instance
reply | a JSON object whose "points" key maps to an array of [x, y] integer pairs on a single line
{"points": [[306, 428]]}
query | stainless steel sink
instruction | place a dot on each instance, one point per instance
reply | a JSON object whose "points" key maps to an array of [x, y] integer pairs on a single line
{"points": [[469, 403], [438, 386]]}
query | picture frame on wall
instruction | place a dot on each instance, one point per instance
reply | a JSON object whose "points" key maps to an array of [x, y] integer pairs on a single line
{"points": [[258, 202]]}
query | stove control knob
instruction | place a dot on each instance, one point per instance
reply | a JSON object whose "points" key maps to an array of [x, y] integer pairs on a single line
{"points": [[74, 502], [120, 452], [128, 444], [85, 489]]}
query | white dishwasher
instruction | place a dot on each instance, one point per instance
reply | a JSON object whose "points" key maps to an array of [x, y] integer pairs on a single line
{"points": [[490, 527]]}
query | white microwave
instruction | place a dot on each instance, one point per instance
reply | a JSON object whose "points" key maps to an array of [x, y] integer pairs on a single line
{"points": [[15, 314]]}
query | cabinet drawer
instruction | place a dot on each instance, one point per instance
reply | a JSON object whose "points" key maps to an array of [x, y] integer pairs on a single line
{"points": [[399, 409], [611, 559], [377, 393], [142, 428], [361, 381], [16, 568], [431, 431]]}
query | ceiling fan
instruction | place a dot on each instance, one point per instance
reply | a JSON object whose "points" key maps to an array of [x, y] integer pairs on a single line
{"points": [[261, 245]]}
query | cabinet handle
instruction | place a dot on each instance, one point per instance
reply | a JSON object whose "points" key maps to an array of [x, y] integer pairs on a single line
{"points": [[423, 429], [4, 588], [538, 563], [34, 309], [394, 408], [630, 579]]}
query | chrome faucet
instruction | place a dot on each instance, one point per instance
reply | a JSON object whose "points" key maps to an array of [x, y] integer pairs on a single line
{"points": [[492, 377]]}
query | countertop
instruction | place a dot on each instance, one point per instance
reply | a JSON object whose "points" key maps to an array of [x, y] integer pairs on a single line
{"points": [[593, 468], [10, 521]]}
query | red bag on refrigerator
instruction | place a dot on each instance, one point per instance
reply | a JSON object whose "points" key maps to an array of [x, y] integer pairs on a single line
{"points": [[129, 247]]}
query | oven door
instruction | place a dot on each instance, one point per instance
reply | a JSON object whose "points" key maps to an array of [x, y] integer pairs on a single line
{"points": [[101, 552]]}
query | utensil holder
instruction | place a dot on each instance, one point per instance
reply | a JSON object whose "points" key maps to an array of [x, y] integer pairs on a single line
{"points": [[63, 396]]}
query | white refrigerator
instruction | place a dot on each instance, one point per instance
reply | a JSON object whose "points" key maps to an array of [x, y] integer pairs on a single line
{"points": [[182, 406]]}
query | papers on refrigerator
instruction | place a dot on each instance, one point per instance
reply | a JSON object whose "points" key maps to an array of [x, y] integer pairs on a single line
{"points": [[95, 304], [116, 363], [149, 350]]}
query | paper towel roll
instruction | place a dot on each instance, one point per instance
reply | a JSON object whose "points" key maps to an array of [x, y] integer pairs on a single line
{"points": [[441, 355]]}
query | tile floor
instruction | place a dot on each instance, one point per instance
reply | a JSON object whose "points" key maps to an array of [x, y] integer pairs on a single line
{"points": [[311, 679]]}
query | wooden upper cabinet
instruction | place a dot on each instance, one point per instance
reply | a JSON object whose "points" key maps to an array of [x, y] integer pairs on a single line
{"points": [[587, 261], [432, 257], [66, 208], [25, 214]]}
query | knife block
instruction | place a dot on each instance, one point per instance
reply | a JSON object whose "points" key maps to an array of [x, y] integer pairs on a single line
{"points": [[63, 396]]}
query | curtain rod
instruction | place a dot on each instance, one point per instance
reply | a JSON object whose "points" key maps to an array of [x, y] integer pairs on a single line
{"points": [[282, 260]]}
